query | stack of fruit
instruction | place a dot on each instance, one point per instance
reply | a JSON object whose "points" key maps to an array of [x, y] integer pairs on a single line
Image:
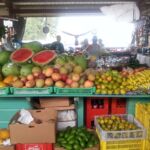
{"points": [[115, 123], [110, 82], [139, 81], [49, 76], [76, 139]]}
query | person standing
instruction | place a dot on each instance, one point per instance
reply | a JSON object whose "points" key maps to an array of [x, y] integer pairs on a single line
{"points": [[94, 48], [57, 45], [85, 44]]}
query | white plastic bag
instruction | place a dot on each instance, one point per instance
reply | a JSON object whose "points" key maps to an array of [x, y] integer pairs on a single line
{"points": [[66, 115], [25, 117]]}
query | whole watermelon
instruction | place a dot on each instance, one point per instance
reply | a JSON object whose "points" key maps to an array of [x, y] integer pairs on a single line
{"points": [[26, 69], [35, 46], [10, 69], [4, 57]]}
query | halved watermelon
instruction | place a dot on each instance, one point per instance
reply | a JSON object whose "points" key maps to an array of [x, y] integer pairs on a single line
{"points": [[44, 57], [21, 55]]}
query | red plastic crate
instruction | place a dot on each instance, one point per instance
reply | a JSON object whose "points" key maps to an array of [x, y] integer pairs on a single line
{"points": [[94, 107], [34, 147], [118, 106]]}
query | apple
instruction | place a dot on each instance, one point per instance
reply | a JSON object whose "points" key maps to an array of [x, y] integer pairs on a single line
{"points": [[56, 76], [69, 81], [64, 77], [75, 77]]}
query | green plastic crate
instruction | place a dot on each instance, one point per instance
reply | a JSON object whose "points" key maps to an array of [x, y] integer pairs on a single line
{"points": [[4, 91], [131, 103], [72, 91], [31, 91], [9, 106]]}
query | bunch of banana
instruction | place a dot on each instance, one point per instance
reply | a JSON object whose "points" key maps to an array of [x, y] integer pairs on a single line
{"points": [[140, 80]]}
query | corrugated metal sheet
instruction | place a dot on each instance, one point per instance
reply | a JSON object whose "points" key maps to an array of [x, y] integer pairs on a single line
{"points": [[57, 7]]}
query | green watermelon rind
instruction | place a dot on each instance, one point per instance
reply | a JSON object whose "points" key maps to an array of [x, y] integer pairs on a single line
{"points": [[24, 60], [45, 62]]}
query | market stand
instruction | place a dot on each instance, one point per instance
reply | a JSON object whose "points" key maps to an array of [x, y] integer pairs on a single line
{"points": [[10, 103]]}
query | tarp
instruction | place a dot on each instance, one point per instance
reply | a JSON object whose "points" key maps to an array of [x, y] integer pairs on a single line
{"points": [[122, 12]]}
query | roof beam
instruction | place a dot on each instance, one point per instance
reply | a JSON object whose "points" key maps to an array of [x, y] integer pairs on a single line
{"points": [[87, 10], [68, 2]]}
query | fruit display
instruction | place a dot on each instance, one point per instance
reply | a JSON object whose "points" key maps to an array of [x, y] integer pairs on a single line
{"points": [[110, 82], [50, 76], [4, 135], [76, 139], [139, 80], [31, 66], [115, 123], [115, 127]]}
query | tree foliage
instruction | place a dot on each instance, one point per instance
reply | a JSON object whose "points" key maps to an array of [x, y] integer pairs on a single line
{"points": [[34, 28]]}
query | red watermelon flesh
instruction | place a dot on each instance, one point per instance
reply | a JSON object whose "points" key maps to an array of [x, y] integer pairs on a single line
{"points": [[44, 57], [21, 55]]}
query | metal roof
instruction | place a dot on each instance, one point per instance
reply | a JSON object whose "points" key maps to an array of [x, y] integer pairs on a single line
{"points": [[14, 8]]}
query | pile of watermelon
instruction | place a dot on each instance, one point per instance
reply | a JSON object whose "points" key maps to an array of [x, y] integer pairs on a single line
{"points": [[34, 67], [21, 61]]}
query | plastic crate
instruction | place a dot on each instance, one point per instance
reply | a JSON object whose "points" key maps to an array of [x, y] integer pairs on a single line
{"points": [[90, 110], [118, 106], [72, 91], [122, 145], [34, 147], [31, 91], [137, 134], [146, 145], [4, 91], [143, 115]]}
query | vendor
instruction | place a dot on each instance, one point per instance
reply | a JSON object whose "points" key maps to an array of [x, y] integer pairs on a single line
{"points": [[57, 45], [94, 48]]}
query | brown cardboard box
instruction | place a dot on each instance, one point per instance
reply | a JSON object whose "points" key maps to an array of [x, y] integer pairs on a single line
{"points": [[71, 107], [7, 147], [54, 102], [42, 130]]}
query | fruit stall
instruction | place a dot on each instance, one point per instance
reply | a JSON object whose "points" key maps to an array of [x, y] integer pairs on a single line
{"points": [[72, 101]]}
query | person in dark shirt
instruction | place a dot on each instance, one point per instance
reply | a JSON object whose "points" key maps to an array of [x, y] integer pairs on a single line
{"points": [[57, 45], [94, 48]]}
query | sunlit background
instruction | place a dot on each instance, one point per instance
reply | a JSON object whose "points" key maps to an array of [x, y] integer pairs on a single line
{"points": [[112, 32]]}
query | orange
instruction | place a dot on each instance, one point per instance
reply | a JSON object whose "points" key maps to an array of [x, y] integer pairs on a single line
{"points": [[9, 79], [4, 134]]}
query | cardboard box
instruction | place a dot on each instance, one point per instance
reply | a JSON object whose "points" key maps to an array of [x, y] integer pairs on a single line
{"points": [[54, 102], [7, 147], [42, 130], [64, 125], [71, 107]]}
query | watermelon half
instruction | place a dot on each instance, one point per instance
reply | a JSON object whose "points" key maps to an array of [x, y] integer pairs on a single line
{"points": [[44, 57], [21, 55]]}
